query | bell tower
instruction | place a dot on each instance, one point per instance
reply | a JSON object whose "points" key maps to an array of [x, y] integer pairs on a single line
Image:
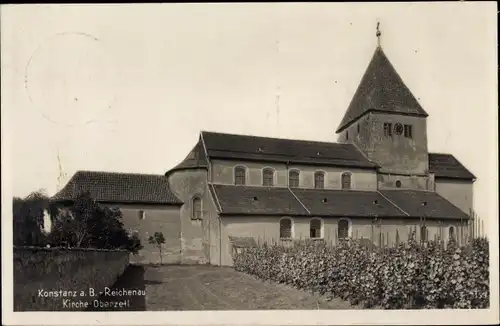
{"points": [[385, 120]]}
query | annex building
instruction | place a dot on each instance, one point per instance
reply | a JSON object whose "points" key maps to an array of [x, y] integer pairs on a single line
{"points": [[378, 181]]}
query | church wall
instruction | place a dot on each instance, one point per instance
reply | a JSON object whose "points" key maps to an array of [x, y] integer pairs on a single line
{"points": [[362, 179], [395, 154], [458, 192], [212, 230], [266, 229], [157, 218], [223, 172], [187, 184], [388, 181]]}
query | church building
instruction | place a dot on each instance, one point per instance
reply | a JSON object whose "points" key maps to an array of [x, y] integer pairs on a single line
{"points": [[378, 182]]}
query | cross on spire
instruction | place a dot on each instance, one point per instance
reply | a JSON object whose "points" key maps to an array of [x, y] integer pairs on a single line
{"points": [[378, 34]]}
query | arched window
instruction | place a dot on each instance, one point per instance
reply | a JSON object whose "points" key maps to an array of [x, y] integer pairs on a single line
{"points": [[423, 233], [240, 175], [285, 228], [268, 177], [197, 212], [293, 179], [319, 180], [346, 180], [451, 232], [343, 229], [315, 228]]}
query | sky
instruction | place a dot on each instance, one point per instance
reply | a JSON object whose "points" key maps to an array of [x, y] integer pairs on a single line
{"points": [[128, 88]]}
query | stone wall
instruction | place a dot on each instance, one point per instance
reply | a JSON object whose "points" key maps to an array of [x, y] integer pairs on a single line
{"points": [[41, 276], [187, 185], [145, 220], [395, 154]]}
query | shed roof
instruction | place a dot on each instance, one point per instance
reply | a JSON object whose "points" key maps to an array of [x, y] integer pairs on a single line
{"points": [[426, 204], [266, 201], [447, 166]]}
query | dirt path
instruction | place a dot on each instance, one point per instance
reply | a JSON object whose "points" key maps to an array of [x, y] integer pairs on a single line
{"points": [[203, 287]]}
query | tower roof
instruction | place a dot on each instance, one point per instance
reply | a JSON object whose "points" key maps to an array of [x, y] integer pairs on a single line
{"points": [[196, 159], [381, 89]]}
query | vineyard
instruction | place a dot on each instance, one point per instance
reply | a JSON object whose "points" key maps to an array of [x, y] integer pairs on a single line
{"points": [[412, 275]]}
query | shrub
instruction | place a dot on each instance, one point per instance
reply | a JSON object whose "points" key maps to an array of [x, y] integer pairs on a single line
{"points": [[406, 276]]}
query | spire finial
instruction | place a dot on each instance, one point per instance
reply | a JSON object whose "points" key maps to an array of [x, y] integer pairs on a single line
{"points": [[378, 34]]}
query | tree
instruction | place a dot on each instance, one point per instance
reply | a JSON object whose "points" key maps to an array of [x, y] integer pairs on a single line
{"points": [[28, 218], [87, 224], [157, 239]]}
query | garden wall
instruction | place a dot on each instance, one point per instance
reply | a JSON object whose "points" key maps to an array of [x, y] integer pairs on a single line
{"points": [[58, 279]]}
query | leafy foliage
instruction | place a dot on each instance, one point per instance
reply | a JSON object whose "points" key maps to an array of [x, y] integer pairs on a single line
{"points": [[158, 240], [28, 218], [84, 225], [406, 276]]}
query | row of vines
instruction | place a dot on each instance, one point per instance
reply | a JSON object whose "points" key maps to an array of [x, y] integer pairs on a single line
{"points": [[408, 276]]}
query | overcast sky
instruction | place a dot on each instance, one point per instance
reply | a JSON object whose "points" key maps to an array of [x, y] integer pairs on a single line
{"points": [[128, 88]]}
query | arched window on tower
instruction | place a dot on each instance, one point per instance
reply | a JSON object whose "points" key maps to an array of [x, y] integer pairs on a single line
{"points": [[346, 180]]}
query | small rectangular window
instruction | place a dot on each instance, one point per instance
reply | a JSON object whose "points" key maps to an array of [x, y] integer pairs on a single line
{"points": [[346, 135], [141, 214], [388, 129], [408, 131]]}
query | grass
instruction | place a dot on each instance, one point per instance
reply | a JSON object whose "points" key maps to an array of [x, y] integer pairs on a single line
{"points": [[204, 287]]}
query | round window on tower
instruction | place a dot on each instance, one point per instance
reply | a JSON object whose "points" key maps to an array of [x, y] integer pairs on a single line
{"points": [[398, 184], [398, 129]]}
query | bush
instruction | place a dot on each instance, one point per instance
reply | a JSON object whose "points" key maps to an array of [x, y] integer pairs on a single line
{"points": [[83, 225], [407, 276]]}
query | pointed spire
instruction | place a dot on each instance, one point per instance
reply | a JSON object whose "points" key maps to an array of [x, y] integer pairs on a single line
{"points": [[378, 34], [381, 89]]}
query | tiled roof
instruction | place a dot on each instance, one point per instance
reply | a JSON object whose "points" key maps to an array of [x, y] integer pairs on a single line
{"points": [[346, 203], [119, 188], [447, 166], [424, 204], [248, 200], [230, 146], [257, 201], [196, 159], [381, 89]]}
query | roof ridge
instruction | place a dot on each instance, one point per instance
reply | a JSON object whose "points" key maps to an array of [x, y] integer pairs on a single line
{"points": [[118, 173], [281, 138], [300, 202], [440, 153], [393, 203], [213, 193]]}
